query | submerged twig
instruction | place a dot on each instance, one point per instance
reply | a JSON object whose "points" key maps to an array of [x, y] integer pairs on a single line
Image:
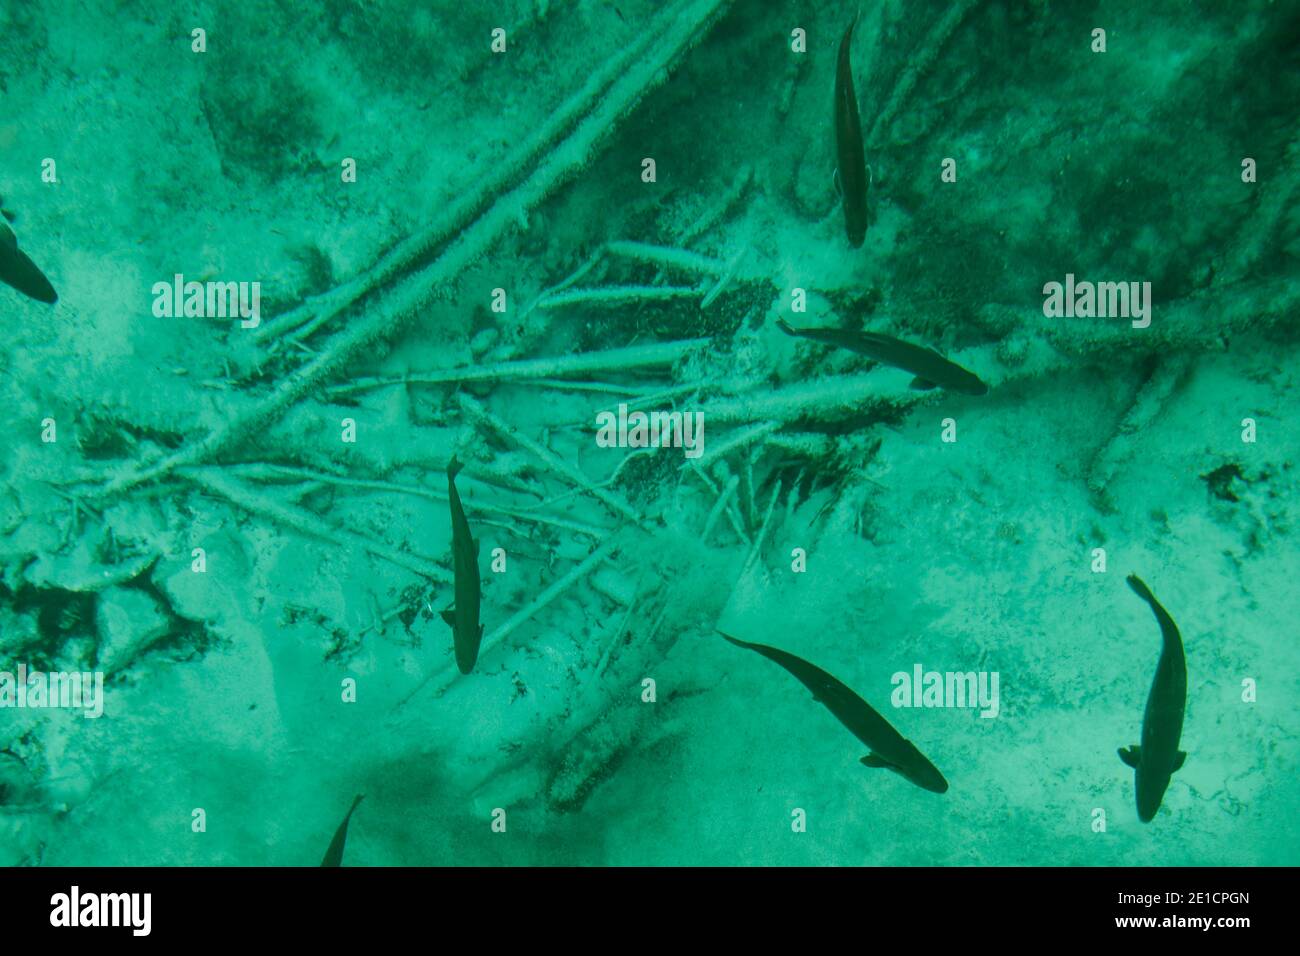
{"points": [[917, 65], [618, 295], [1151, 399], [473, 506], [757, 548], [680, 259], [719, 506], [552, 461], [219, 482], [551, 367]]}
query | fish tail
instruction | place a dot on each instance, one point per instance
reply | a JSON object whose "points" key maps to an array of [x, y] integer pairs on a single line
{"points": [[356, 803], [784, 326], [454, 466]]}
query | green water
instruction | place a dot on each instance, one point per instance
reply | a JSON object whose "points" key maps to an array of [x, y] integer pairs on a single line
{"points": [[470, 230]]}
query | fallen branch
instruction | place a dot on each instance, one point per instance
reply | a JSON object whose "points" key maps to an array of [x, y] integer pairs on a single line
{"points": [[217, 481], [685, 27], [757, 549], [719, 506], [619, 295], [471, 505], [680, 259], [918, 63], [498, 176], [1151, 399], [554, 462], [551, 367]]}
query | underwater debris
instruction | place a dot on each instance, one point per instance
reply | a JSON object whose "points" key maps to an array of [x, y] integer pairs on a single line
{"points": [[239, 494], [668, 257], [633, 357], [674, 32], [618, 295], [1220, 481], [606, 97], [1152, 398], [917, 64], [781, 447], [552, 461]]}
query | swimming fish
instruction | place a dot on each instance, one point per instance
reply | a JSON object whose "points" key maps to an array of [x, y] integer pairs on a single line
{"points": [[1158, 756], [334, 855], [466, 631], [889, 748], [851, 173], [930, 368], [19, 271]]}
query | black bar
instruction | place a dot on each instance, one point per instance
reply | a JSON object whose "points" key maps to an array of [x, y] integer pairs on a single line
{"points": [[333, 906]]}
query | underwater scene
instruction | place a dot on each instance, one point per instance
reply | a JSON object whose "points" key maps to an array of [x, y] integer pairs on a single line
{"points": [[650, 432]]}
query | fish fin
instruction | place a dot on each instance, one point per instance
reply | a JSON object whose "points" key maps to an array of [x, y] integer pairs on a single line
{"points": [[733, 640], [449, 616], [454, 466], [8, 215], [875, 760], [784, 326], [478, 548], [7, 237], [870, 178], [1131, 755], [835, 178], [923, 384], [1179, 759]]}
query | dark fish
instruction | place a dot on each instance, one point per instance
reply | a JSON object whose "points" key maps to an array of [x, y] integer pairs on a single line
{"points": [[851, 173], [1158, 756], [889, 748], [334, 855], [930, 368], [20, 272], [466, 631]]}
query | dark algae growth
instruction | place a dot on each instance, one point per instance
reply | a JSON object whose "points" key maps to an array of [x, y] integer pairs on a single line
{"points": [[1156, 759]]}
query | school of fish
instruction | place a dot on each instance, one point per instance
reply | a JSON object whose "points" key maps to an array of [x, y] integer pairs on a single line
{"points": [[1154, 760]]}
